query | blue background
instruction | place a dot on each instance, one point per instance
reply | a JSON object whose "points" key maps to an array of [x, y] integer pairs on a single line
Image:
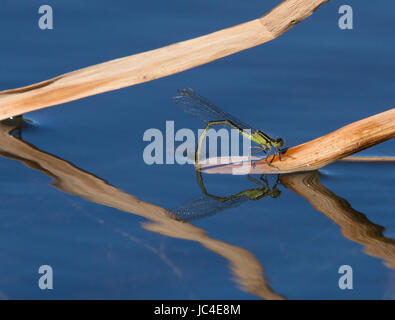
{"points": [[311, 80]]}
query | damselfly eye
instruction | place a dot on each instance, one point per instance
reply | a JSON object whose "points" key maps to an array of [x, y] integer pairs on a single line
{"points": [[280, 142]]}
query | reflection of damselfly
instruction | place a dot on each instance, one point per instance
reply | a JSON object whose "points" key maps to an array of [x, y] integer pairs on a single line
{"points": [[191, 102], [212, 204]]}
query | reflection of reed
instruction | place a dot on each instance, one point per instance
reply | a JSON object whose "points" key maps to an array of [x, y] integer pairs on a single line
{"points": [[68, 178], [354, 225]]}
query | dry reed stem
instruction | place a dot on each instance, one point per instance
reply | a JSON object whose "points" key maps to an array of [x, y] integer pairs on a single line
{"points": [[368, 159], [154, 64], [324, 150]]}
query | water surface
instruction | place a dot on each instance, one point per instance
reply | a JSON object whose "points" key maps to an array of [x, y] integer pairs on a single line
{"points": [[101, 243]]}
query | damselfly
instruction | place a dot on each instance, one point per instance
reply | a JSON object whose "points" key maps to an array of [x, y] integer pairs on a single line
{"points": [[194, 104]]}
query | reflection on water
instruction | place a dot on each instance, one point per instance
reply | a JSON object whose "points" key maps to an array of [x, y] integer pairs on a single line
{"points": [[16, 124], [354, 225], [248, 272], [212, 204], [68, 178]]}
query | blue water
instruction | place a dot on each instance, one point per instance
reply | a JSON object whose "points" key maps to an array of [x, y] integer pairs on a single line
{"points": [[312, 80]]}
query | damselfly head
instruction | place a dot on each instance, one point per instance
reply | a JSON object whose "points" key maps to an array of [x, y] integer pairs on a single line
{"points": [[279, 142]]}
